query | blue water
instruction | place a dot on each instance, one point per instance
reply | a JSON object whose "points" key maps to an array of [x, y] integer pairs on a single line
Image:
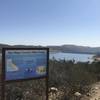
{"points": [[71, 56]]}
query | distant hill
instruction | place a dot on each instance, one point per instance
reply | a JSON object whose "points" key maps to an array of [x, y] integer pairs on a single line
{"points": [[75, 49], [62, 48]]}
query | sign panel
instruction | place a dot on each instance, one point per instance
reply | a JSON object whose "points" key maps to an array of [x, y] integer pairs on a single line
{"points": [[25, 64]]}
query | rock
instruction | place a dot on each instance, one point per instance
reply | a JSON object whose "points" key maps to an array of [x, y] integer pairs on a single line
{"points": [[88, 94], [77, 94], [53, 89], [96, 88]]}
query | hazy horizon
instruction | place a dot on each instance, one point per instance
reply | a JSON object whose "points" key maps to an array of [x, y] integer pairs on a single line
{"points": [[48, 45], [50, 22]]}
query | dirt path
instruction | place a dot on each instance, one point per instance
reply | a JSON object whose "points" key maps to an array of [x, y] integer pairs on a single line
{"points": [[94, 93]]}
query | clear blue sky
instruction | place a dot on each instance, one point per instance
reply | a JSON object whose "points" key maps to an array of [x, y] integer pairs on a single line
{"points": [[50, 22]]}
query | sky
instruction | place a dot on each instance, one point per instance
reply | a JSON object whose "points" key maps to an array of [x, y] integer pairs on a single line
{"points": [[50, 22]]}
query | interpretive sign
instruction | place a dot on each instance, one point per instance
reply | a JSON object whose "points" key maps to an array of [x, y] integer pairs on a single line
{"points": [[25, 63], [19, 64]]}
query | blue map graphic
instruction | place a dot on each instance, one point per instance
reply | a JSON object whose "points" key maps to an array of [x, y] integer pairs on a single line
{"points": [[24, 65]]}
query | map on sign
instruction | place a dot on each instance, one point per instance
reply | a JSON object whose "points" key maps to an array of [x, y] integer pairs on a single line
{"points": [[24, 64]]}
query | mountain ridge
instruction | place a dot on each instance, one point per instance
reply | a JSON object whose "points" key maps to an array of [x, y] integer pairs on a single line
{"points": [[62, 48]]}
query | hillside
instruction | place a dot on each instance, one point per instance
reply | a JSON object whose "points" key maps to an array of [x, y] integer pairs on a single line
{"points": [[62, 48], [75, 49]]}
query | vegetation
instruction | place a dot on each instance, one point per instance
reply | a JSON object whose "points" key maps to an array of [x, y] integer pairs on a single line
{"points": [[67, 76], [73, 77], [27, 90]]}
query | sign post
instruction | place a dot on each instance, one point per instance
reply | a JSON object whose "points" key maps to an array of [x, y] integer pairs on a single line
{"points": [[22, 64]]}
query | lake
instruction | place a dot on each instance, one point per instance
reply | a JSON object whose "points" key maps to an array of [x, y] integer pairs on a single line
{"points": [[70, 56]]}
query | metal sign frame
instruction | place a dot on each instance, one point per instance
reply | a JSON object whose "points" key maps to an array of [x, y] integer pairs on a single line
{"points": [[21, 80]]}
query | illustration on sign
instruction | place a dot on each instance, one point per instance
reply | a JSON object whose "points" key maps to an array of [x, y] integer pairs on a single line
{"points": [[24, 64]]}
